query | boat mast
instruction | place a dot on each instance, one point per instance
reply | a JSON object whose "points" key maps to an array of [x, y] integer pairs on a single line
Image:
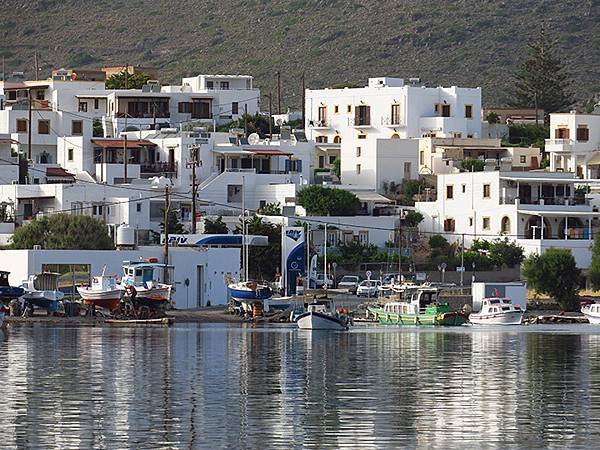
{"points": [[325, 261], [244, 271]]}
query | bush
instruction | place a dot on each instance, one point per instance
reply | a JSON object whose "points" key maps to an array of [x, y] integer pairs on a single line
{"points": [[323, 201], [473, 165], [413, 218]]}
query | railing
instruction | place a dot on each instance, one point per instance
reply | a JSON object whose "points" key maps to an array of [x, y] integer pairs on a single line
{"points": [[359, 122], [559, 141], [158, 168], [392, 121], [319, 123], [555, 201], [157, 115]]}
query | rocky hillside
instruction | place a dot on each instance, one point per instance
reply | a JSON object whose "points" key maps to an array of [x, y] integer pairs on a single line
{"points": [[462, 42]]}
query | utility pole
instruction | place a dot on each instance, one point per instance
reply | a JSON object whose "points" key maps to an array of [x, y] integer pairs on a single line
{"points": [[30, 100], [303, 99], [125, 153], [35, 63], [166, 233], [3, 69], [462, 259], [127, 76], [193, 163], [270, 116], [246, 120], [278, 92]]}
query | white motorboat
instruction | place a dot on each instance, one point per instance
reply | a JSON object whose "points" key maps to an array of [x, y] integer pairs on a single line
{"points": [[592, 313], [104, 292], [41, 290], [141, 276], [497, 311], [317, 317]]}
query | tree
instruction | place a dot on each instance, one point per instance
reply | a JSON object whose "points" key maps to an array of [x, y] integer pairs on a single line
{"points": [[122, 80], [175, 226], [473, 165], [63, 232], [410, 188], [97, 128], [413, 218], [324, 201], [270, 209], [542, 80], [263, 261], [594, 270], [492, 117], [337, 167], [554, 273], [503, 252], [216, 226]]}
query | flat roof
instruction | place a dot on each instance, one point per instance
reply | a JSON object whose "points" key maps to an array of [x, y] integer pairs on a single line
{"points": [[119, 143]]}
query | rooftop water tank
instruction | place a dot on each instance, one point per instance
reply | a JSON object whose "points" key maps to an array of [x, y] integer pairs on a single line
{"points": [[125, 237]]}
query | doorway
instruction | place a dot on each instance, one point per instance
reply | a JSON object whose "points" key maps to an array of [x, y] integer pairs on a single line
{"points": [[200, 286]]}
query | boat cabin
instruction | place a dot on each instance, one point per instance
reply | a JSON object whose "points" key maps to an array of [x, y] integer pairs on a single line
{"points": [[498, 305], [594, 308], [141, 273], [417, 301], [104, 283], [47, 281]]}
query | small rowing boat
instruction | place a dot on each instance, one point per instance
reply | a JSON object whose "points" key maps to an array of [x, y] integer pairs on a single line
{"points": [[164, 321]]}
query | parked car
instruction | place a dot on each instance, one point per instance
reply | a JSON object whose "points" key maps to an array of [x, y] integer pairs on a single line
{"points": [[368, 288], [349, 282], [320, 281]]}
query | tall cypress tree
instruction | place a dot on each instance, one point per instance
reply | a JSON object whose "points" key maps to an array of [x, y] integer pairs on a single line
{"points": [[542, 80]]}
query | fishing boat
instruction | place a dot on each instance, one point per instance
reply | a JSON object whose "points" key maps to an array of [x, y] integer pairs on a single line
{"points": [[592, 313], [498, 311], [249, 290], [104, 292], [319, 317], [41, 291], [8, 292], [420, 308], [141, 275]]}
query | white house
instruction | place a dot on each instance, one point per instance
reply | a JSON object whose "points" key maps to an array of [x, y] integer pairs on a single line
{"points": [[538, 210], [574, 144], [362, 121]]}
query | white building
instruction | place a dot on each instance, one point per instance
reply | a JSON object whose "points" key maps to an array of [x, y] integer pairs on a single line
{"points": [[373, 122], [538, 210], [574, 144], [198, 274]]}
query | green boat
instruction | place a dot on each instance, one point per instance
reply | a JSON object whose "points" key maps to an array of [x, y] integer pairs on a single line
{"points": [[420, 308]]}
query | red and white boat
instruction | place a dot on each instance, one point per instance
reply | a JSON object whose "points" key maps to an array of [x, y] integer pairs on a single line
{"points": [[104, 292], [497, 311], [141, 275]]}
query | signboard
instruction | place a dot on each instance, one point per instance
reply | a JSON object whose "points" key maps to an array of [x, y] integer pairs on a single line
{"points": [[460, 269], [293, 250], [369, 273]]}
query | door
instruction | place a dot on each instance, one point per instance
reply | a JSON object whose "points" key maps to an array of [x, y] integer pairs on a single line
{"points": [[200, 286], [445, 110], [171, 160]]}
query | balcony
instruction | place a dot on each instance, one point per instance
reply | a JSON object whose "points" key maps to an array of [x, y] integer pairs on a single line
{"points": [[158, 168], [359, 122], [546, 201], [559, 145], [392, 122], [319, 124]]}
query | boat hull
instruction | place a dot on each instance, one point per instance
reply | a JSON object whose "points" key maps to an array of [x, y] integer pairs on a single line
{"points": [[507, 318], [104, 299], [10, 292], [451, 318], [44, 299], [249, 294], [592, 317], [319, 321]]}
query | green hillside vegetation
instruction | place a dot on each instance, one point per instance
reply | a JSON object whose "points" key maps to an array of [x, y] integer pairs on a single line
{"points": [[335, 42]]}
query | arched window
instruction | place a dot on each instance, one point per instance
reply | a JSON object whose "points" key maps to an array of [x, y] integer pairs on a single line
{"points": [[395, 136], [337, 140], [505, 225]]}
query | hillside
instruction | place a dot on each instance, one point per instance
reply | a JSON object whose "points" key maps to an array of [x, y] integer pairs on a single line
{"points": [[465, 42]]}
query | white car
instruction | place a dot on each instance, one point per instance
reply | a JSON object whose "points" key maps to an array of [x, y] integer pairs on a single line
{"points": [[368, 288], [320, 281], [349, 282]]}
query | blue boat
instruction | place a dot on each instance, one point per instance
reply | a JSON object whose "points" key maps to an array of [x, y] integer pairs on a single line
{"points": [[249, 290], [8, 292], [41, 291]]}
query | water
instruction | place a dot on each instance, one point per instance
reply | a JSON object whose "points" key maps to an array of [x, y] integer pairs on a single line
{"points": [[219, 386]]}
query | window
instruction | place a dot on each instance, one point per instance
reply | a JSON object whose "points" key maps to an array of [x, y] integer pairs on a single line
{"points": [[470, 136], [234, 108], [362, 115], [407, 170], [505, 225], [583, 133], [422, 157], [486, 223], [523, 159], [469, 111], [70, 154], [11, 95], [184, 107], [349, 109], [21, 125], [332, 159], [337, 140], [470, 221], [82, 106], [321, 139], [77, 127], [224, 85], [210, 85], [449, 224], [561, 133], [96, 103], [336, 109], [395, 116], [358, 152], [486, 191], [362, 136], [358, 169], [321, 162], [464, 188], [138, 207], [445, 110], [43, 127], [449, 191], [457, 135], [436, 108], [322, 116], [39, 95]]}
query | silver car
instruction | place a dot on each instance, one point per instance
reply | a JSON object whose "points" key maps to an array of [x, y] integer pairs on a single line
{"points": [[349, 282]]}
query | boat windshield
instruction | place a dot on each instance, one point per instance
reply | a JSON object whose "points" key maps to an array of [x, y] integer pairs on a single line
{"points": [[495, 302]]}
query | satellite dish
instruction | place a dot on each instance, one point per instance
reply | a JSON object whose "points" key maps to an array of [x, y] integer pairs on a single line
{"points": [[279, 122], [253, 139]]}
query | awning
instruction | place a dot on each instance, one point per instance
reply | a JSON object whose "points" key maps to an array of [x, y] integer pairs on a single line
{"points": [[8, 141], [327, 147], [549, 180], [120, 143], [268, 152], [595, 159], [231, 151], [565, 213], [371, 196]]}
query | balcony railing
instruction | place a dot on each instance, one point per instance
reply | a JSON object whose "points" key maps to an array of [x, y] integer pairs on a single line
{"points": [[391, 121], [157, 168], [319, 123], [555, 201], [359, 121]]}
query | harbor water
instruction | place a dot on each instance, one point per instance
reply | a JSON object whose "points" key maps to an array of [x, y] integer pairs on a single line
{"points": [[234, 386]]}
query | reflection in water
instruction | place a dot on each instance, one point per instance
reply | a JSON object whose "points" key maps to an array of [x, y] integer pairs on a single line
{"points": [[218, 386]]}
